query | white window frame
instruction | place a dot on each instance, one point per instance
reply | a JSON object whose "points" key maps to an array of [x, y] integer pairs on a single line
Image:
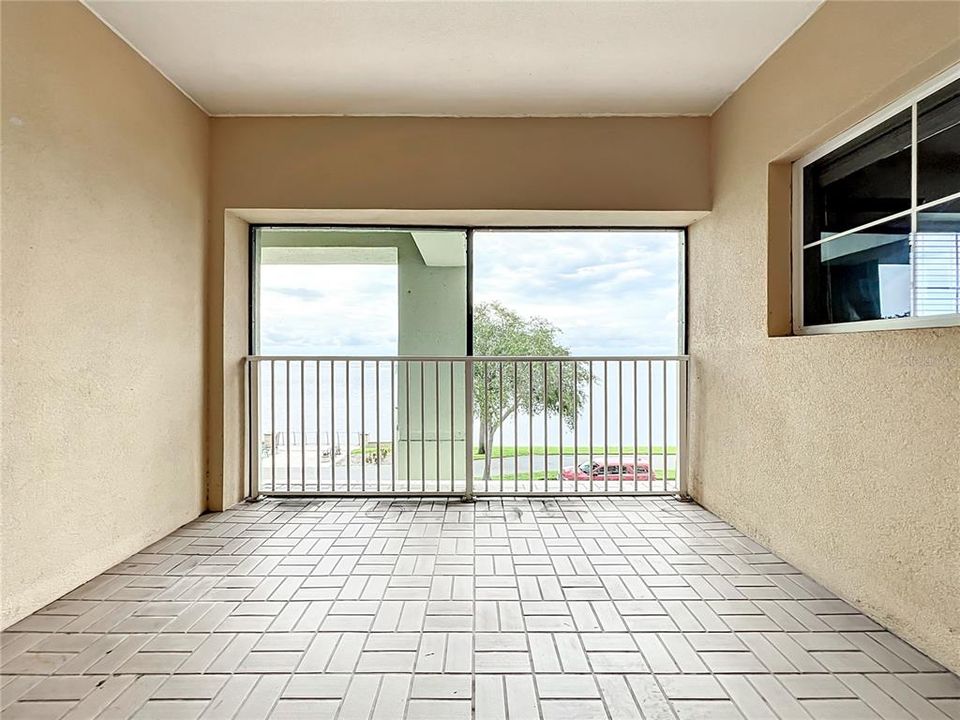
{"points": [[908, 101]]}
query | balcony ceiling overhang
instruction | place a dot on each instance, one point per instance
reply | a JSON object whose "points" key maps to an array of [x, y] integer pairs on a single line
{"points": [[471, 58], [319, 255], [440, 248]]}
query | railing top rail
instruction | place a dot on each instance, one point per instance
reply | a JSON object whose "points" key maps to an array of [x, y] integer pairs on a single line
{"points": [[463, 358]]}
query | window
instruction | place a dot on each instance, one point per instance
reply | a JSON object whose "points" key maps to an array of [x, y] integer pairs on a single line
{"points": [[877, 219]]}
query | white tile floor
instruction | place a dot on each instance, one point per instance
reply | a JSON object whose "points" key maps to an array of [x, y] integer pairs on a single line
{"points": [[515, 609]]}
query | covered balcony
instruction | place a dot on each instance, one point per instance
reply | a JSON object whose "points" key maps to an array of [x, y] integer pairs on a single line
{"points": [[280, 440]]}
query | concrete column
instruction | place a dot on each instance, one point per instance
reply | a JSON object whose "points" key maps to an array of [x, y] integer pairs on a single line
{"points": [[433, 313]]}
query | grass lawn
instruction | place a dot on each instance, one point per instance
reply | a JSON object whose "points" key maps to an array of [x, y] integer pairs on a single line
{"points": [[583, 451], [538, 475], [371, 447]]}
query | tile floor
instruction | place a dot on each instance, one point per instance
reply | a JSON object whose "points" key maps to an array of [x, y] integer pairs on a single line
{"points": [[513, 609]]}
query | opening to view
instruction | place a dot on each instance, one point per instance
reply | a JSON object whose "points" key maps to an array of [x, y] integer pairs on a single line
{"points": [[363, 379], [592, 418]]}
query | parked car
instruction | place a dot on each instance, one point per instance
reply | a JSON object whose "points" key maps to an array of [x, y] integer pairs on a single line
{"points": [[609, 470]]}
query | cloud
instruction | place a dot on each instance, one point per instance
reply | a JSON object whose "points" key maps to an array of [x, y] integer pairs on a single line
{"points": [[328, 309], [610, 293], [296, 292]]}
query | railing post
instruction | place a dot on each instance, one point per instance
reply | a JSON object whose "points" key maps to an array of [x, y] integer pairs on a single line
{"points": [[682, 462], [468, 428], [252, 436]]}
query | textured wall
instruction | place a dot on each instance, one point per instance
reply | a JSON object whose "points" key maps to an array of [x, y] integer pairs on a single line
{"points": [[104, 191], [457, 164], [841, 452]]}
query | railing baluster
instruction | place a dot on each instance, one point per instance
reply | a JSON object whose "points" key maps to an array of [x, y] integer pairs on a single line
{"points": [[468, 415], [273, 426], [255, 434], [406, 372], [287, 444], [333, 427], [606, 428], [590, 416], [484, 425], [560, 422], [423, 432], [499, 418], [317, 368], [516, 429], [436, 398], [393, 428], [530, 455], [546, 429], [576, 418], [363, 425], [650, 425], [376, 412], [346, 401], [620, 418], [665, 473], [303, 430], [636, 420], [453, 432], [682, 369]]}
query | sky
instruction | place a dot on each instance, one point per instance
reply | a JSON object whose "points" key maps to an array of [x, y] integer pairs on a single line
{"points": [[609, 293], [328, 309]]}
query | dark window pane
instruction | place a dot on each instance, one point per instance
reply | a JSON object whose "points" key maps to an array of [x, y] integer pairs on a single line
{"points": [[938, 144], [863, 276], [937, 260], [863, 181]]}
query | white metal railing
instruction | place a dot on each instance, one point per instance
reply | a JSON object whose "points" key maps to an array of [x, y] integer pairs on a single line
{"points": [[334, 425]]}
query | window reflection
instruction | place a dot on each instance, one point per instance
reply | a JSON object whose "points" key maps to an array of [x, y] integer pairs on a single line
{"points": [[861, 276], [863, 181], [938, 144]]}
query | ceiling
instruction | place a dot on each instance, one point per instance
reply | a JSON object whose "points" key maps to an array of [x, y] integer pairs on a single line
{"points": [[456, 58]]}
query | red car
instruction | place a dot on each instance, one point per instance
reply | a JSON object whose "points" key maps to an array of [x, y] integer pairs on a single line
{"points": [[610, 470]]}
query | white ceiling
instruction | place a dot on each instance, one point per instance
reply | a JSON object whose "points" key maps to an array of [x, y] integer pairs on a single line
{"points": [[461, 58]]}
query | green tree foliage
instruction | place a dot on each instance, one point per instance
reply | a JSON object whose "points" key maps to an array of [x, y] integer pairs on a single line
{"points": [[530, 387]]}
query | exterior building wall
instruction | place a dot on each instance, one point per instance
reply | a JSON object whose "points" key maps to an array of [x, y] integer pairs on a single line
{"points": [[839, 452], [104, 231], [448, 171]]}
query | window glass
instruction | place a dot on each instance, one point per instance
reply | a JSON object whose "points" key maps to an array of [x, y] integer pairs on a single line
{"points": [[861, 276], [938, 144], [880, 218], [937, 260], [865, 180]]}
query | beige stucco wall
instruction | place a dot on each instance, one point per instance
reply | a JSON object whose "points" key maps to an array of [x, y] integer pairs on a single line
{"points": [[103, 232], [840, 452], [550, 165]]}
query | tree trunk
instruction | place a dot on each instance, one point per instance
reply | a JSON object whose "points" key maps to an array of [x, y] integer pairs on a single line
{"points": [[482, 438], [487, 459]]}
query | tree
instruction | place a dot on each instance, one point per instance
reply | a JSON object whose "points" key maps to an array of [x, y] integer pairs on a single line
{"points": [[499, 388]]}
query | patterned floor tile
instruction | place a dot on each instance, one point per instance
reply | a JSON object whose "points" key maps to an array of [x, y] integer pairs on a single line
{"points": [[506, 609]]}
